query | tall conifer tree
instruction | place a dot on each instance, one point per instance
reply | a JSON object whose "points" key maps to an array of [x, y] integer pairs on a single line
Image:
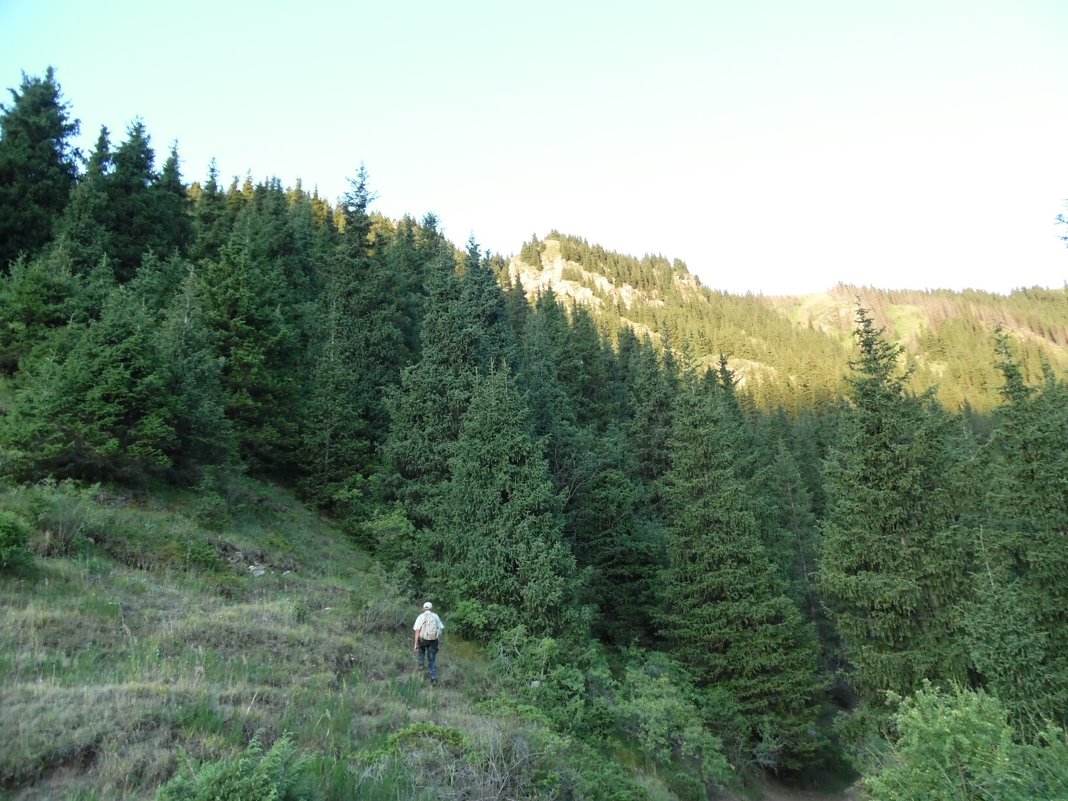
{"points": [[194, 381], [102, 412], [502, 554], [83, 234], [173, 209], [363, 326], [210, 224], [465, 332], [652, 384], [726, 613], [246, 308], [38, 166], [1018, 625], [485, 311], [896, 557], [132, 215], [426, 407]]}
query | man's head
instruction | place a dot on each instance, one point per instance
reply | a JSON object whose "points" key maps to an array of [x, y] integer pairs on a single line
{"points": [[428, 606]]}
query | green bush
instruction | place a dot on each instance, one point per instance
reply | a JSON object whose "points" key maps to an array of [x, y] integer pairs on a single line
{"points": [[498, 759], [958, 745], [567, 680], [191, 552], [64, 514], [14, 534], [660, 713], [278, 775], [394, 541]]}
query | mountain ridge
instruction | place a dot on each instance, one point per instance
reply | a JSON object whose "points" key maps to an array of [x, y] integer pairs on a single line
{"points": [[946, 336]]}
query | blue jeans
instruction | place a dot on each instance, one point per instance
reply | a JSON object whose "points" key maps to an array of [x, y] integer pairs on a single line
{"points": [[428, 654]]}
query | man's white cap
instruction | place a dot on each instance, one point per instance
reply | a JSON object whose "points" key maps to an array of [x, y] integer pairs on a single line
{"points": [[428, 605]]}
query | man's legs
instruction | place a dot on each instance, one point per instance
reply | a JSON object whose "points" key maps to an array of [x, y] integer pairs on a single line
{"points": [[432, 660]]}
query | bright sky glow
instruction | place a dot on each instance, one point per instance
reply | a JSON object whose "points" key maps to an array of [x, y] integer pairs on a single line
{"points": [[775, 146]]}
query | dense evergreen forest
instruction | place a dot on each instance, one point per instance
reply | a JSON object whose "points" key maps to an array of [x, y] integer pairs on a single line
{"points": [[848, 568]]}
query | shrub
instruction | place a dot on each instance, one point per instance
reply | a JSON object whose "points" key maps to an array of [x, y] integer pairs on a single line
{"points": [[514, 759], [252, 776], [63, 514], [958, 745], [14, 534], [191, 551], [659, 710], [394, 541]]}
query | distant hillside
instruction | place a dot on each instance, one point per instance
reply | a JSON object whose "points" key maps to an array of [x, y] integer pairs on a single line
{"points": [[794, 350]]}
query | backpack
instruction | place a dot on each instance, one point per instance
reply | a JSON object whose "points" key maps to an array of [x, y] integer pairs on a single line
{"points": [[429, 629]]}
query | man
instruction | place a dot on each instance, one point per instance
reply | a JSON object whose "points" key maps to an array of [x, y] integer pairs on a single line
{"points": [[428, 628]]}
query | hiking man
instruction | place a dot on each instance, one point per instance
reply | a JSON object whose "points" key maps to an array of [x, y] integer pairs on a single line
{"points": [[428, 628]]}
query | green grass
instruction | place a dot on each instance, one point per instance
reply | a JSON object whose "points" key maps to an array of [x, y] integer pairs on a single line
{"points": [[148, 640], [142, 644]]}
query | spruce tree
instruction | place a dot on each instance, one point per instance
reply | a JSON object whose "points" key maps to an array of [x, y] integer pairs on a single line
{"points": [[38, 166], [621, 553], [590, 383], [364, 344], [132, 214], [791, 527], [262, 230], [499, 549], [37, 298], [158, 279], [210, 224], [102, 412], [484, 310], [83, 233], [194, 380], [465, 333], [426, 407], [173, 209], [247, 310], [1018, 625], [121, 209], [651, 386], [726, 614], [543, 365], [896, 557], [518, 307], [406, 256]]}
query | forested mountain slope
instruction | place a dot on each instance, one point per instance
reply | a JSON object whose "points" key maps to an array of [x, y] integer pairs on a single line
{"points": [[684, 540], [794, 350]]}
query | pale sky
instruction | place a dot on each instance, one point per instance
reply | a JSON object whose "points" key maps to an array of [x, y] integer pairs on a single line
{"points": [[775, 146]]}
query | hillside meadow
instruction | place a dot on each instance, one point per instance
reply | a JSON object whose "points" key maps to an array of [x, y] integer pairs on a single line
{"points": [[152, 634]]}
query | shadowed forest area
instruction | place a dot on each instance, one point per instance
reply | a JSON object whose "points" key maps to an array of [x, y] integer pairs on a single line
{"points": [[685, 543]]}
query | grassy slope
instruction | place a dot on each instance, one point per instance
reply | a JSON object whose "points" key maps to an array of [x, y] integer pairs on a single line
{"points": [[155, 634], [145, 643]]}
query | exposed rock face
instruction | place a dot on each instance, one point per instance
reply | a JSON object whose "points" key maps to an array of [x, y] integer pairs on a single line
{"points": [[570, 280]]}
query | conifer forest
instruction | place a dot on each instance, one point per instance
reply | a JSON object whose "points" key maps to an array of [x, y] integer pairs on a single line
{"points": [[706, 536]]}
